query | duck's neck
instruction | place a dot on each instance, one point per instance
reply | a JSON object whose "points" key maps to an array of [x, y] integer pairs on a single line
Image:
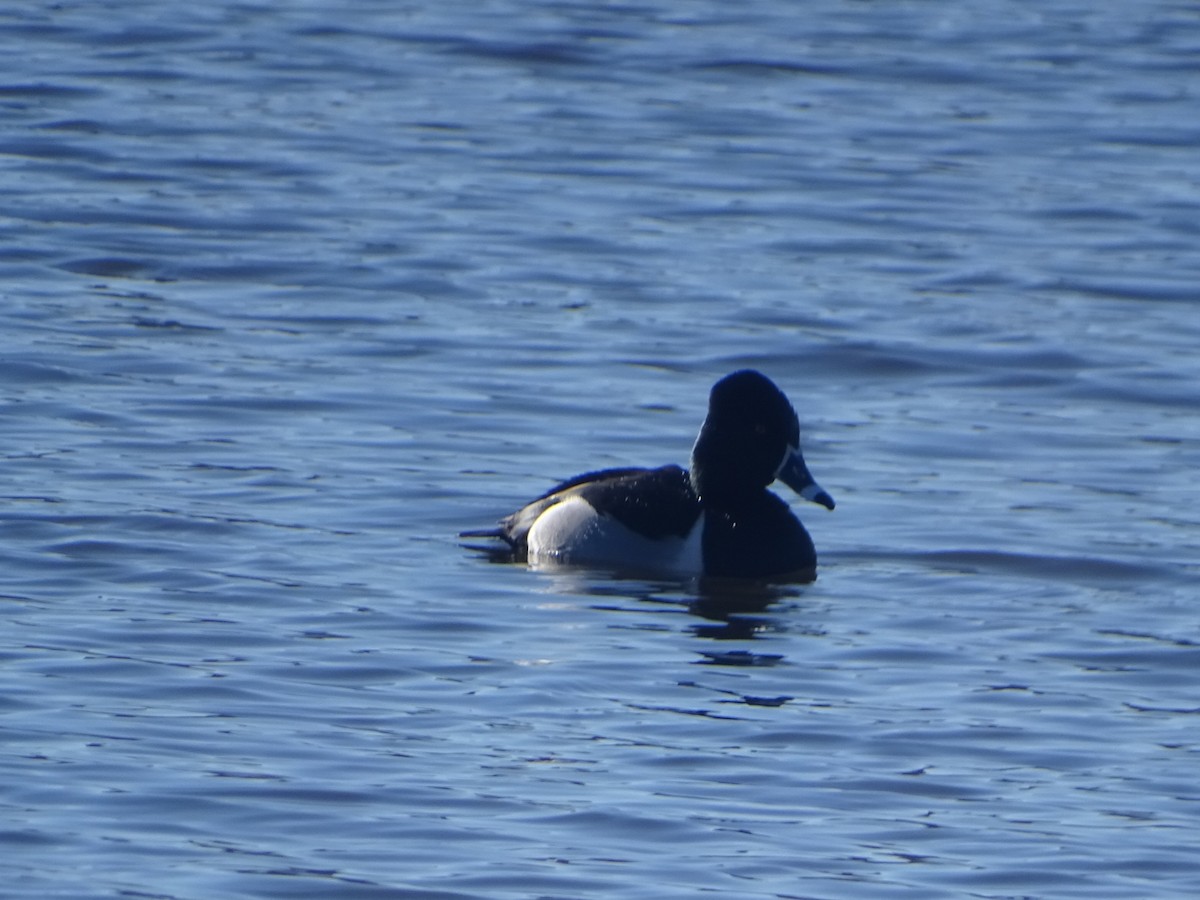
{"points": [[727, 494]]}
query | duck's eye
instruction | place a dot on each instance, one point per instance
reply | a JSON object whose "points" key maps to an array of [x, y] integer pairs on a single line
{"points": [[760, 429]]}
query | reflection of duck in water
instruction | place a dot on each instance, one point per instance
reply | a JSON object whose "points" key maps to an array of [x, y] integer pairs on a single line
{"points": [[716, 519]]}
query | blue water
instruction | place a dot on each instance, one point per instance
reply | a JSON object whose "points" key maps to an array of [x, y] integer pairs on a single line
{"points": [[292, 293]]}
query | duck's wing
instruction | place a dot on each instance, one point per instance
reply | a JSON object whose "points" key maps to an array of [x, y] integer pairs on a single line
{"points": [[514, 529], [590, 478]]}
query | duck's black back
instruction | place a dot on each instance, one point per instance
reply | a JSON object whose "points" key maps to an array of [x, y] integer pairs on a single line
{"points": [[655, 503]]}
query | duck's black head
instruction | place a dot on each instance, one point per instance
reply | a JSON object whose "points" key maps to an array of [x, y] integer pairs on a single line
{"points": [[750, 437]]}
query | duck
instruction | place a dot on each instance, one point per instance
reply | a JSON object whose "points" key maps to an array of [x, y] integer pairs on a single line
{"points": [[716, 518]]}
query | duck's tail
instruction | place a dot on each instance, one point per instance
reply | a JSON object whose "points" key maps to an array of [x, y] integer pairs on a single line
{"points": [[483, 533]]}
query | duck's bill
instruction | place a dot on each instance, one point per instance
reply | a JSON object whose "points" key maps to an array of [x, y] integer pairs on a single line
{"points": [[794, 473]]}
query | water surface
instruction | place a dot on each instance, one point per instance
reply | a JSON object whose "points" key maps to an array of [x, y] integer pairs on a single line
{"points": [[293, 295]]}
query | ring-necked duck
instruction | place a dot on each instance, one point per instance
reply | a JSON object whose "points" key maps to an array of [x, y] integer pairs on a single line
{"points": [[718, 519]]}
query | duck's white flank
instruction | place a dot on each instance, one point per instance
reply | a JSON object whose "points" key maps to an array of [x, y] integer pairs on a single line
{"points": [[572, 532]]}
